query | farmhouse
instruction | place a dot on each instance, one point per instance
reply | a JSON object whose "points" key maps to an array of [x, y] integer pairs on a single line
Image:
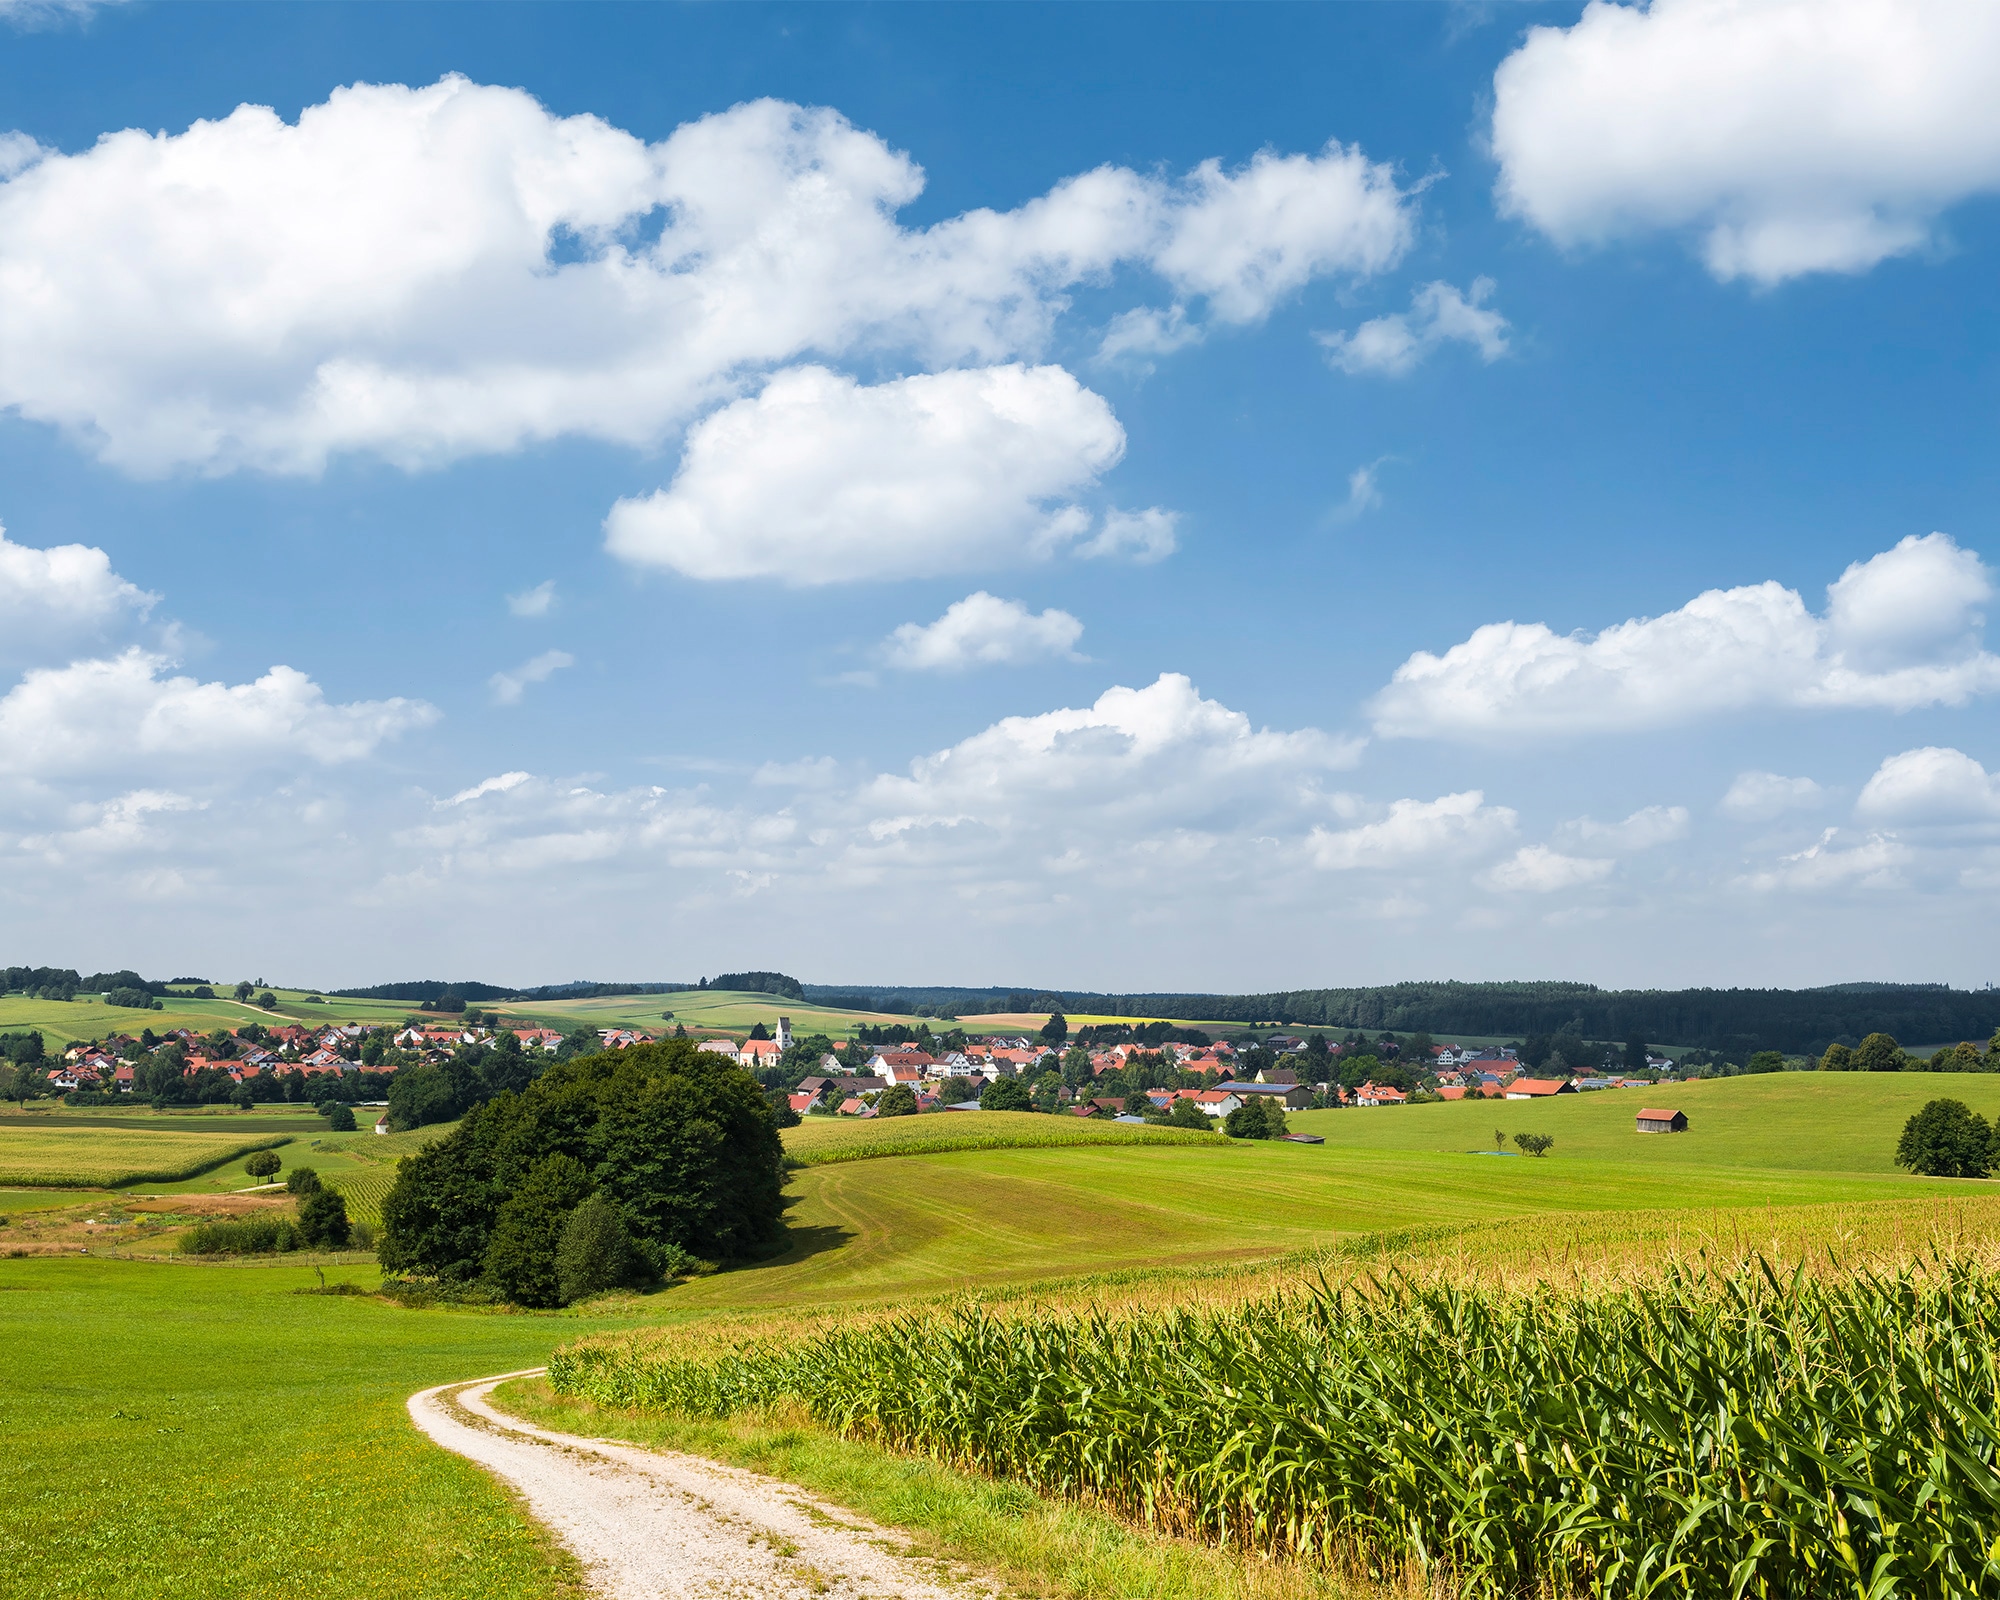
{"points": [[1656, 1121], [1537, 1088]]}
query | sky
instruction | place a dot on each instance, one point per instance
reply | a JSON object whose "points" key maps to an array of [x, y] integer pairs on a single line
{"points": [[1129, 498]]}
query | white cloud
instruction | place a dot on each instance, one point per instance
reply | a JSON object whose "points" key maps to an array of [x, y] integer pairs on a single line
{"points": [[983, 631], [428, 273], [1438, 314], [486, 786], [1901, 630], [1877, 862], [1364, 492], [1144, 331], [1792, 136], [1536, 869], [1760, 796], [509, 687], [535, 602], [56, 598], [1930, 785], [1144, 536], [820, 479], [103, 715], [114, 827], [1644, 829], [1415, 833]]}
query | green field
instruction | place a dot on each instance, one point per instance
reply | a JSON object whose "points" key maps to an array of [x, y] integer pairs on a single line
{"points": [[90, 1157], [245, 1440], [700, 1011], [1783, 1122], [819, 1141], [286, 1409], [65, 1022]]}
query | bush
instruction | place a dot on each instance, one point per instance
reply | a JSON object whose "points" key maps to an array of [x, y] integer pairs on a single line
{"points": [[683, 1143], [900, 1100], [1535, 1144], [1184, 1113], [596, 1252], [301, 1180], [323, 1223], [264, 1164], [1259, 1118], [1947, 1139], [339, 1117], [247, 1237], [133, 999]]}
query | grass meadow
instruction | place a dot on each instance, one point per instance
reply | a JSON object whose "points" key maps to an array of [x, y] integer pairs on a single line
{"points": [[103, 1158], [700, 1011]]}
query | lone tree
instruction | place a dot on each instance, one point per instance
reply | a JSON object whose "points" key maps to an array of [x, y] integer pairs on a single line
{"points": [[1055, 1030], [681, 1142], [264, 1164], [897, 1101], [301, 1180], [339, 1117], [1005, 1094], [1947, 1139], [1535, 1144], [323, 1223]]}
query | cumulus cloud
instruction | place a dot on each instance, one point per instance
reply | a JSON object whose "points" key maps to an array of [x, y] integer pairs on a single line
{"points": [[820, 479], [1141, 536], [1644, 829], [1438, 315], [428, 273], [1901, 630], [1760, 796], [1876, 862], [1790, 136], [983, 631], [1536, 869], [102, 715], [55, 598], [1931, 785], [508, 687], [535, 602], [1415, 833], [114, 827]]}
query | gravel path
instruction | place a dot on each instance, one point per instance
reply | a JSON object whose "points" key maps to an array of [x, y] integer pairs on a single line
{"points": [[652, 1524]]}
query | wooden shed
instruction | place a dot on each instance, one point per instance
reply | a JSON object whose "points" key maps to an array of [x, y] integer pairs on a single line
{"points": [[1655, 1121]]}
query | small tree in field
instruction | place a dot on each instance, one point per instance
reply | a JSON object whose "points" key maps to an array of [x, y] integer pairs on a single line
{"points": [[1186, 1114], [339, 1117], [1947, 1139], [1499, 1141], [301, 1180], [1535, 1144], [899, 1100], [263, 1165], [323, 1220]]}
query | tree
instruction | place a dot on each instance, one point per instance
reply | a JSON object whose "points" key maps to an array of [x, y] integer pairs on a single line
{"points": [[1055, 1030], [421, 1095], [898, 1100], [1838, 1058], [1261, 1117], [323, 1223], [759, 1031], [1636, 1051], [1947, 1139], [1499, 1140], [1005, 1094], [265, 1164], [340, 1118], [596, 1251], [1535, 1144], [268, 1001], [684, 1142], [1878, 1053], [301, 1180], [244, 990], [1765, 1061], [1048, 1092], [1137, 1104], [1186, 1114]]}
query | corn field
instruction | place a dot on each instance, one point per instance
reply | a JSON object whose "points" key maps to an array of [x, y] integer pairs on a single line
{"points": [[1749, 1434]]}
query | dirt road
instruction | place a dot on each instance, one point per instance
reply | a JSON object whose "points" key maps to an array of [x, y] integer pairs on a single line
{"points": [[648, 1525]]}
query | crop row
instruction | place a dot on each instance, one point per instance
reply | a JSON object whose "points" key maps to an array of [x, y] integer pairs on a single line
{"points": [[821, 1141], [363, 1192], [1748, 1434]]}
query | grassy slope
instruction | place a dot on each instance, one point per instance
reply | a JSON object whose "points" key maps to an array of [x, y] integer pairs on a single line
{"points": [[91, 1156], [1788, 1121], [64, 1022], [820, 1140], [698, 1009], [202, 1431]]}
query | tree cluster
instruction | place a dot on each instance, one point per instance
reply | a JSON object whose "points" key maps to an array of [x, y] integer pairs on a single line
{"points": [[677, 1149], [1948, 1139]]}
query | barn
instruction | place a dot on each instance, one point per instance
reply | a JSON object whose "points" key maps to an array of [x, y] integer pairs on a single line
{"points": [[1663, 1122]]}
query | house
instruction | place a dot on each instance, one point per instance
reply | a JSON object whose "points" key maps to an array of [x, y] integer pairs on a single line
{"points": [[1538, 1088], [855, 1106], [1378, 1094], [720, 1047], [802, 1103], [813, 1086], [1294, 1096], [1451, 1091], [754, 1053], [1655, 1121], [883, 1062], [1276, 1075]]}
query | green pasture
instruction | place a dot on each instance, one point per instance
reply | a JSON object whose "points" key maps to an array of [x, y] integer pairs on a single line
{"points": [[243, 1440], [699, 1010], [140, 1117], [64, 1022], [1781, 1122], [817, 1141]]}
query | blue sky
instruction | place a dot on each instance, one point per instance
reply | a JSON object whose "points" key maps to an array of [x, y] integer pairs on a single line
{"points": [[1113, 497]]}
